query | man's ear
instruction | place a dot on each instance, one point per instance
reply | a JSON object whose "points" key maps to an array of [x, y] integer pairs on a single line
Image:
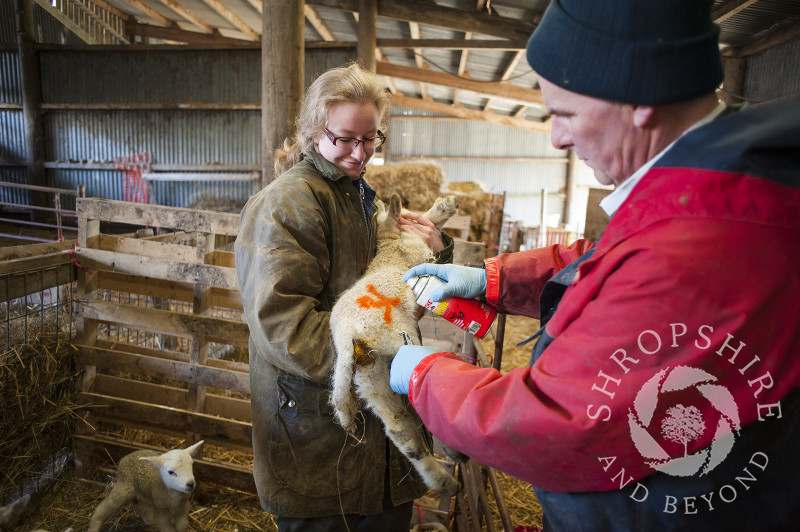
{"points": [[642, 115]]}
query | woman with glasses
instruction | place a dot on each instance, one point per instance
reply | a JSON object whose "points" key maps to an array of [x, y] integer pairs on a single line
{"points": [[303, 240]]}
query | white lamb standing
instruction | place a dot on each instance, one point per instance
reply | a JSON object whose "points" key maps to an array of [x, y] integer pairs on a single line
{"points": [[158, 485], [366, 325]]}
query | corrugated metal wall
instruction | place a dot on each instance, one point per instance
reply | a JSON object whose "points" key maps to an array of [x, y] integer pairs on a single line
{"points": [[773, 74], [174, 137]]}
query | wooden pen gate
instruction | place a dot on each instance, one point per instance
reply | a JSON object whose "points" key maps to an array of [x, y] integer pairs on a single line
{"points": [[159, 315]]}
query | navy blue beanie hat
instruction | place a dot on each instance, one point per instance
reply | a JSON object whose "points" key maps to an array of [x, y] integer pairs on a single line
{"points": [[646, 52]]}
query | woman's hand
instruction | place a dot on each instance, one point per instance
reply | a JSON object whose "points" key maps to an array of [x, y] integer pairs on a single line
{"points": [[419, 225]]}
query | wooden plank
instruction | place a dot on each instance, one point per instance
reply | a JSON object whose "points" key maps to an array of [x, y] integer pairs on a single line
{"points": [[234, 19], [134, 284], [188, 14], [158, 268], [501, 90], [459, 20], [102, 448], [167, 354], [146, 247], [146, 392], [17, 285], [221, 258], [208, 40], [150, 12], [34, 250], [460, 111], [137, 364], [459, 223], [158, 216], [222, 297], [216, 405], [161, 418], [27, 264], [162, 321]]}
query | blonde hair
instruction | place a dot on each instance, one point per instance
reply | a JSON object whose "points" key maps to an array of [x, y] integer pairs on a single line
{"points": [[351, 83]]}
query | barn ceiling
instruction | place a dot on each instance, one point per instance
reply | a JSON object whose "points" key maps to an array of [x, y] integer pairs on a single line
{"points": [[457, 57]]}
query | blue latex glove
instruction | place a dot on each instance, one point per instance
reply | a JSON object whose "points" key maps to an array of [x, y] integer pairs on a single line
{"points": [[403, 364], [462, 281]]}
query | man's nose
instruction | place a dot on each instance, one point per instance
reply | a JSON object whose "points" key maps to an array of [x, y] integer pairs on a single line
{"points": [[558, 136]]}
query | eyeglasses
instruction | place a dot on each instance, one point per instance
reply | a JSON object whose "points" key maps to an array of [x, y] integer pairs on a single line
{"points": [[348, 142]]}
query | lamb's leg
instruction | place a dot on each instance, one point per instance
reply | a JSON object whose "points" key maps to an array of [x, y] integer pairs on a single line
{"points": [[344, 404], [442, 210], [163, 522], [182, 519], [121, 494], [372, 384]]}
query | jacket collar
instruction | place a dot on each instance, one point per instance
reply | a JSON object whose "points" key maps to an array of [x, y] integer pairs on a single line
{"points": [[323, 166]]}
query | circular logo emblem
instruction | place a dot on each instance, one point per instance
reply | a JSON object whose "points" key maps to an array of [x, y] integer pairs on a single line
{"points": [[682, 424]]}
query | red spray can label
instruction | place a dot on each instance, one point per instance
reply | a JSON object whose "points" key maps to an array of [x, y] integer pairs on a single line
{"points": [[471, 315]]}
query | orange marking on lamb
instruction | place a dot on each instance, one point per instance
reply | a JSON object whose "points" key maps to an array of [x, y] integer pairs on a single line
{"points": [[382, 301]]}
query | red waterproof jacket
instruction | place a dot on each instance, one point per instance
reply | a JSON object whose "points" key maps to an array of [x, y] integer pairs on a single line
{"points": [[680, 332]]}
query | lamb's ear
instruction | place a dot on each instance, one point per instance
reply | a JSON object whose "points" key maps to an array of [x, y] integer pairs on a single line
{"points": [[194, 450], [395, 206], [156, 461]]}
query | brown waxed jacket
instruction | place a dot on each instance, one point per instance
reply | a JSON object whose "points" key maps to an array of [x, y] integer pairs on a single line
{"points": [[301, 243]]}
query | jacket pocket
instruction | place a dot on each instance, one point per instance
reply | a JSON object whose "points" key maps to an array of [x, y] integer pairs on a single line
{"points": [[309, 447]]}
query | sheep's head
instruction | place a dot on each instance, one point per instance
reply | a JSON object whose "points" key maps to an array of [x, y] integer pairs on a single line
{"points": [[175, 467]]}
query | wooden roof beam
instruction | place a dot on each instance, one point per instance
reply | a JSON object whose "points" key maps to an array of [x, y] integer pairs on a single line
{"points": [[729, 9], [441, 44], [231, 17], [256, 4], [179, 35], [318, 24], [188, 15], [462, 63], [443, 17], [500, 90], [470, 114], [507, 73], [413, 28], [150, 12]]}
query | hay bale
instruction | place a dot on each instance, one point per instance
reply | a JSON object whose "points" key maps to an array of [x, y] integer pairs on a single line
{"points": [[420, 183], [417, 183], [474, 201], [466, 187]]}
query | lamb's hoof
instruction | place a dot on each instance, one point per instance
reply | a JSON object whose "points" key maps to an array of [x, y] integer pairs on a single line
{"points": [[450, 487], [445, 206]]}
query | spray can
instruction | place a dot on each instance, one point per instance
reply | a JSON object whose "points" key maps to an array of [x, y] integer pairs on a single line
{"points": [[471, 315]]}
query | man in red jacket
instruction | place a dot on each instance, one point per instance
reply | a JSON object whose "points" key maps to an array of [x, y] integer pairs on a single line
{"points": [[663, 391]]}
